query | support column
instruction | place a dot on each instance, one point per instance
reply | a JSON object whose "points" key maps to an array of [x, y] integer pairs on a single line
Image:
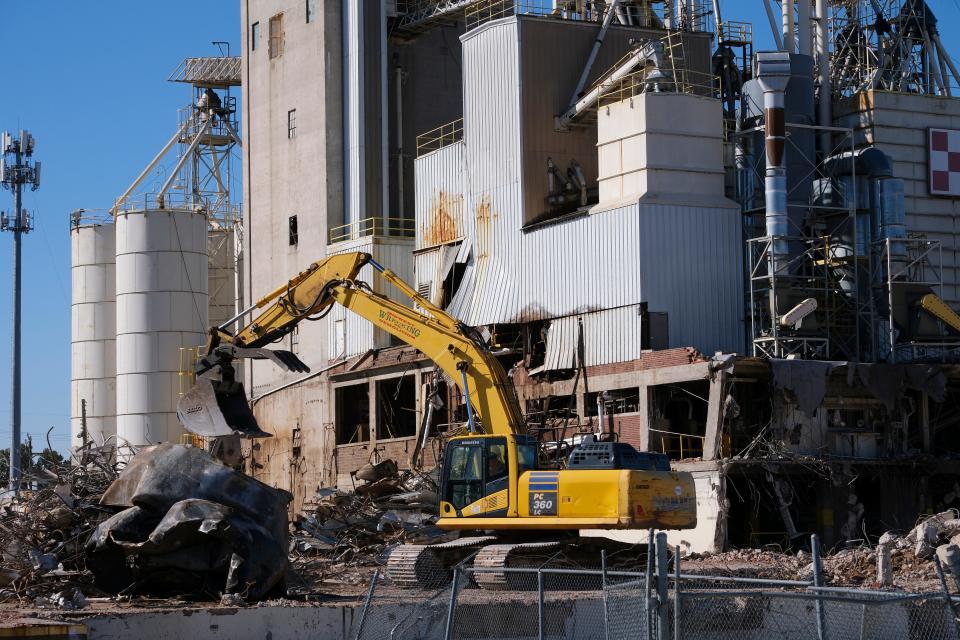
{"points": [[644, 411], [714, 427]]}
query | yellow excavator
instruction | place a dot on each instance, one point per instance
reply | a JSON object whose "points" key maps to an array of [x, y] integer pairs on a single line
{"points": [[490, 480]]}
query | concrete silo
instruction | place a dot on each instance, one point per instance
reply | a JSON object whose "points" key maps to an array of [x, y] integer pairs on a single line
{"points": [[93, 398], [161, 307]]}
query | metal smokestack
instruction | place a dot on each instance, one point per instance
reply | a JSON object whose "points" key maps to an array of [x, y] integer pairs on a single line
{"points": [[773, 73]]}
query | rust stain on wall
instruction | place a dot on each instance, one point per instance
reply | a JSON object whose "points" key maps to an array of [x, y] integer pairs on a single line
{"points": [[444, 223]]}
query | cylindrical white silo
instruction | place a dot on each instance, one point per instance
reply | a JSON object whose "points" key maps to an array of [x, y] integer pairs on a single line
{"points": [[221, 267], [161, 263], [92, 333]]}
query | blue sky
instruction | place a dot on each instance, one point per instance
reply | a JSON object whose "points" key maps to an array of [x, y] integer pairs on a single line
{"points": [[93, 92]]}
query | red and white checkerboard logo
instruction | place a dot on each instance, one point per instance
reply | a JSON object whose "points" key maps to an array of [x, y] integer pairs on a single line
{"points": [[945, 162]]}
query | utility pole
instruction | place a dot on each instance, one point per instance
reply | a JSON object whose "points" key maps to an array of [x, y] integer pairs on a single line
{"points": [[16, 170]]}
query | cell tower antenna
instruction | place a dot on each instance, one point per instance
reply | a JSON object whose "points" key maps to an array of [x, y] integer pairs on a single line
{"points": [[17, 169]]}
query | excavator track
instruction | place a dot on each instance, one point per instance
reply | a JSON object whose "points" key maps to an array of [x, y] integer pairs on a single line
{"points": [[428, 566], [497, 557]]}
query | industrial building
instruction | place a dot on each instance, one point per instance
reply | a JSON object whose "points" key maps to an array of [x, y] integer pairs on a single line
{"points": [[747, 261]]}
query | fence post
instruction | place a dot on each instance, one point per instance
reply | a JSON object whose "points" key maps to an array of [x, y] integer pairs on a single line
{"points": [[663, 598], [540, 599], [646, 586], [943, 585], [366, 602], [676, 593], [603, 587], [818, 582], [454, 588]]}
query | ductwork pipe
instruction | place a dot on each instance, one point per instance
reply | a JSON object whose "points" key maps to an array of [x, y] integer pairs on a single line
{"points": [[773, 74], [886, 197]]}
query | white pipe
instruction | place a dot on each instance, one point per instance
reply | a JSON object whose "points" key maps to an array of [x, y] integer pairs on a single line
{"points": [[945, 56], [718, 21], [153, 163], [933, 66], [789, 40], [398, 70], [649, 52], [823, 57], [384, 117], [804, 31], [183, 159], [582, 82], [774, 29]]}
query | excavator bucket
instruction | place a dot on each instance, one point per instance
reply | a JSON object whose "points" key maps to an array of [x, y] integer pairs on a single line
{"points": [[213, 408]]}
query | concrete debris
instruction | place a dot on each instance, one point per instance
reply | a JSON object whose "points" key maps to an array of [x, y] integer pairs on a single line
{"points": [[341, 536], [43, 527], [884, 566], [893, 563]]}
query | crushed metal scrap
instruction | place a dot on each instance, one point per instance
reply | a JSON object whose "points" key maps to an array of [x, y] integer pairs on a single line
{"points": [[342, 536], [189, 525], [44, 527]]}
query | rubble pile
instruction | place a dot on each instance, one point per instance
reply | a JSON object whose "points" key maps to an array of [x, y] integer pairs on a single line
{"points": [[898, 561], [44, 527], [172, 521], [342, 535]]}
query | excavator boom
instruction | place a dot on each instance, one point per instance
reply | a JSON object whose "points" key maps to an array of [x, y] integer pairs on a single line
{"points": [[454, 347]]}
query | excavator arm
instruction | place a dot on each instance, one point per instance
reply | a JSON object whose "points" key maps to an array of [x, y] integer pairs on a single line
{"points": [[213, 406]]}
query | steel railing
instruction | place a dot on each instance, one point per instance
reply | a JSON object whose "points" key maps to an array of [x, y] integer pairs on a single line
{"points": [[373, 226]]}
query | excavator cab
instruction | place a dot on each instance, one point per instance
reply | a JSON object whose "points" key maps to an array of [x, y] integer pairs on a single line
{"points": [[480, 474]]}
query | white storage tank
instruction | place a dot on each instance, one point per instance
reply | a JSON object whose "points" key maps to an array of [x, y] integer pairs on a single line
{"points": [[221, 273], [92, 331], [161, 263]]}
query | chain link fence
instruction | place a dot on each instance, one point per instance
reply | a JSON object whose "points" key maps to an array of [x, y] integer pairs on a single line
{"points": [[556, 596]]}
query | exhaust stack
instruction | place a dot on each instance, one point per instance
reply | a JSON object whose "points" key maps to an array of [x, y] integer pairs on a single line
{"points": [[773, 74]]}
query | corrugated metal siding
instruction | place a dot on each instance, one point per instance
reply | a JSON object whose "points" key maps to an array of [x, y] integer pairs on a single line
{"points": [[679, 259], [691, 267], [492, 169], [582, 264], [440, 203], [611, 335], [360, 334]]}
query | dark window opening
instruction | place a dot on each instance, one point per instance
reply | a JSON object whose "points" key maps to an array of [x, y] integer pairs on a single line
{"points": [[352, 413], [311, 10], [615, 401], [678, 418], [396, 407], [293, 236], [254, 36]]}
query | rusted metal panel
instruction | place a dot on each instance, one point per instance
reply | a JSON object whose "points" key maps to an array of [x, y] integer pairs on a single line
{"points": [[492, 219], [440, 204]]}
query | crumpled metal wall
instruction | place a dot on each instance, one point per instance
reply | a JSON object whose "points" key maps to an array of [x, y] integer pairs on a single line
{"points": [[189, 526]]}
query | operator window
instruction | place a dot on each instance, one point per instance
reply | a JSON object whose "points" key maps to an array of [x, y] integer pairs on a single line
{"points": [[465, 479], [254, 36], [526, 458], [498, 469]]}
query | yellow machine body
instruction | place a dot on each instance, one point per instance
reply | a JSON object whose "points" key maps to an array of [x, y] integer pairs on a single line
{"points": [[564, 499]]}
